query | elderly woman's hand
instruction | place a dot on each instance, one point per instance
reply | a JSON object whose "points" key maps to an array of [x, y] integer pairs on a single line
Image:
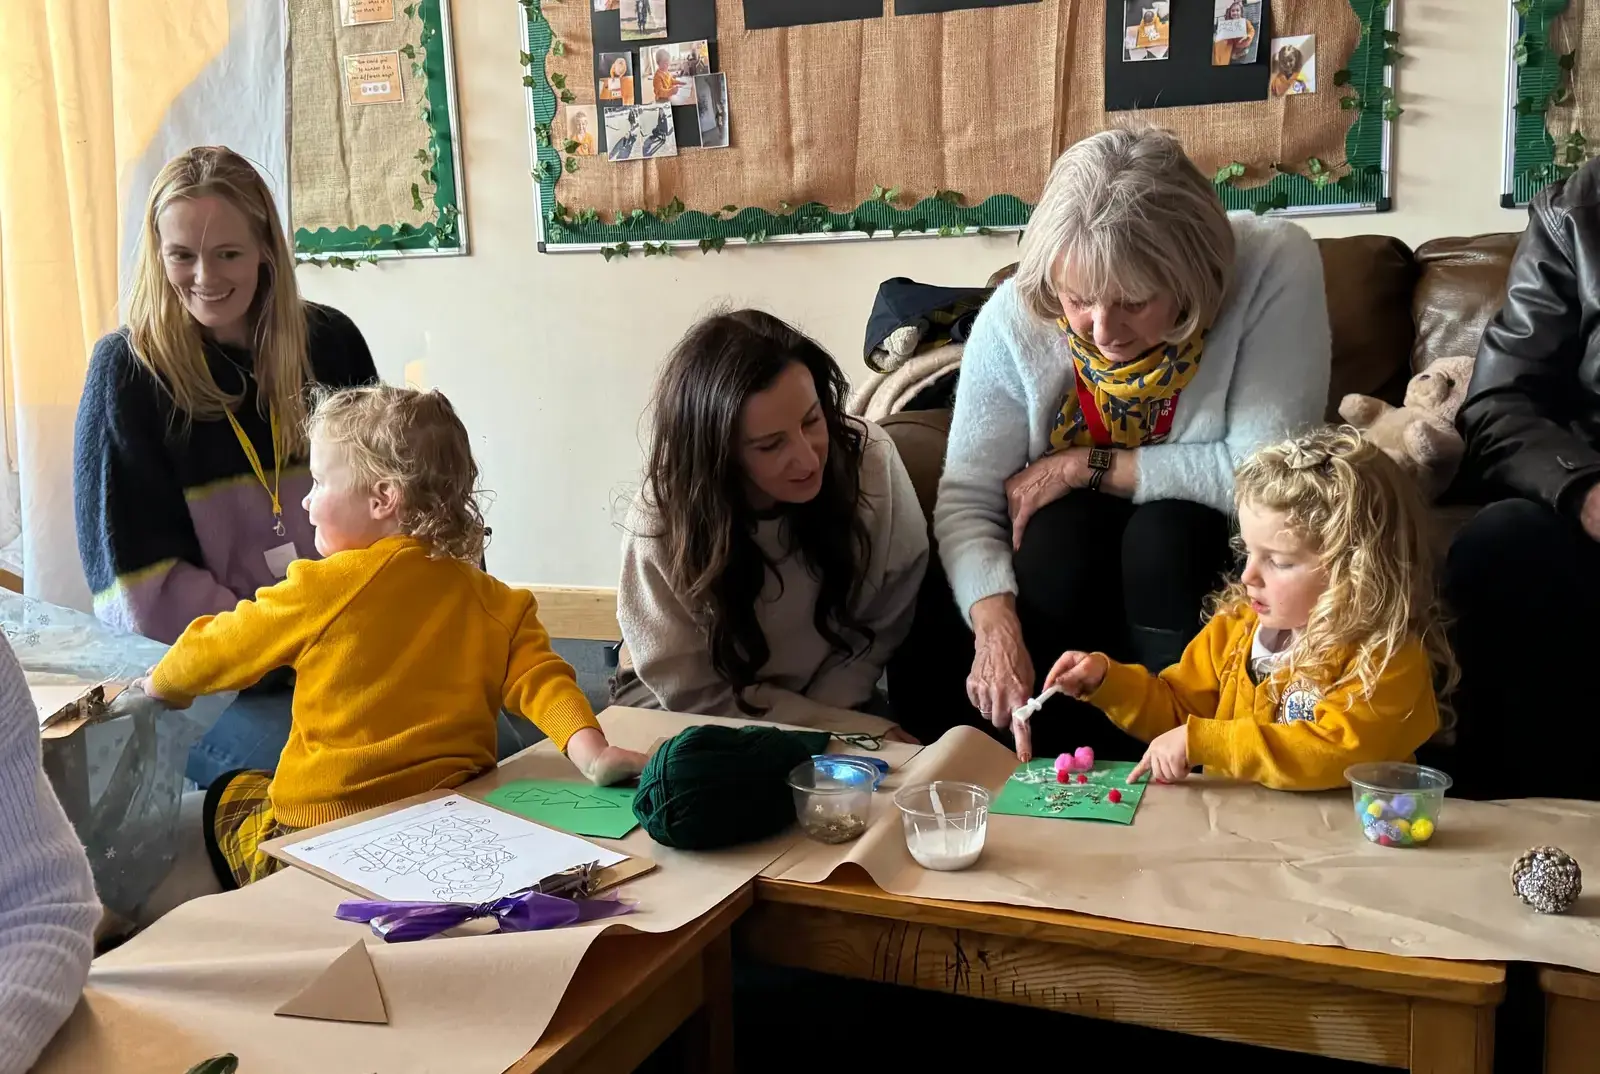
{"points": [[1002, 671], [1043, 482]]}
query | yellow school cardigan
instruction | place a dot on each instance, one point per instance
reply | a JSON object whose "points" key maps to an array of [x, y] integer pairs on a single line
{"points": [[402, 663], [1289, 735]]}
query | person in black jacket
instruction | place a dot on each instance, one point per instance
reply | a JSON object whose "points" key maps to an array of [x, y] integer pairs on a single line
{"points": [[1523, 577]]}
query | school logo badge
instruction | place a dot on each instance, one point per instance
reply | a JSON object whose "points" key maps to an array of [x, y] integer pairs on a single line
{"points": [[1299, 702]]}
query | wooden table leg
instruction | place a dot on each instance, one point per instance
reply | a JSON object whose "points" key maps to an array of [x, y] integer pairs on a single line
{"points": [[709, 1034], [1451, 1038], [1571, 1034]]}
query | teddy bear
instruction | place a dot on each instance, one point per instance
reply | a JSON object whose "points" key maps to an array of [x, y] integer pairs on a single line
{"points": [[1420, 435]]}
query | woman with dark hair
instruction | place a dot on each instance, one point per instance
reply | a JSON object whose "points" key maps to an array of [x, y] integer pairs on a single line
{"points": [[774, 554]]}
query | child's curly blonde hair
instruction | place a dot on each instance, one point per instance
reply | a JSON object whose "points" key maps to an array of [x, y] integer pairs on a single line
{"points": [[1368, 523], [414, 440]]}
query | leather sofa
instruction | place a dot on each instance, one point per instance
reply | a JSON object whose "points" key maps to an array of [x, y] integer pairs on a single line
{"points": [[1393, 311]]}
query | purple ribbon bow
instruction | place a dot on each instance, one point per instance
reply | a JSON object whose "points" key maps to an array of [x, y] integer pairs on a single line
{"points": [[528, 910]]}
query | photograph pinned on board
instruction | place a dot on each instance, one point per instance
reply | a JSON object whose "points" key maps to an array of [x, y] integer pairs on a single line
{"points": [[616, 78], [1294, 65], [580, 129], [644, 20], [711, 104], [607, 5], [643, 132], [1236, 32], [667, 72], [1148, 36]]}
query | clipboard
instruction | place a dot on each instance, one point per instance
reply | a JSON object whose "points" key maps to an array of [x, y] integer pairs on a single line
{"points": [[72, 705], [282, 847]]}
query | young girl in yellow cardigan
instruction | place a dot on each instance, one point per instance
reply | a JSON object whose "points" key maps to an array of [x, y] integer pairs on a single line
{"points": [[1321, 655], [404, 651]]}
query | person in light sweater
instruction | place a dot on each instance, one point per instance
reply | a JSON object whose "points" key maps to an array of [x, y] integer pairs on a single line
{"points": [[772, 559], [1146, 345], [48, 909], [403, 650]]}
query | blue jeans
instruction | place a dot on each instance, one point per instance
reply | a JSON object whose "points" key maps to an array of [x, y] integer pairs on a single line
{"points": [[252, 731]]}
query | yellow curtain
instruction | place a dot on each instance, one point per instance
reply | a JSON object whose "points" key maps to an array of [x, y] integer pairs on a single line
{"points": [[84, 87]]}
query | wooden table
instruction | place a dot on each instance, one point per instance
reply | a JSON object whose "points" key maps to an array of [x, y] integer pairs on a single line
{"points": [[1571, 1020], [632, 992], [1425, 1015]]}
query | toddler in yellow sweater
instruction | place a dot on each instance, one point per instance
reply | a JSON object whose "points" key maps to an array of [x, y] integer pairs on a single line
{"points": [[403, 650], [1321, 655]]}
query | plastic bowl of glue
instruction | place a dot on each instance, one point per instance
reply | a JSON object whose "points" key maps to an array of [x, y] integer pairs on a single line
{"points": [[945, 823]]}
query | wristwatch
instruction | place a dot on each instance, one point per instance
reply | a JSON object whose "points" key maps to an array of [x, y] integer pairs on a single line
{"points": [[1099, 463]]}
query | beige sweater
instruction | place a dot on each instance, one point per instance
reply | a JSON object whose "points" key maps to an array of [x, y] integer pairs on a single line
{"points": [[804, 682]]}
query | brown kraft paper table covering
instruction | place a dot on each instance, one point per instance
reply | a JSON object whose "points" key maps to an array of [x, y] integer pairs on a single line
{"points": [[1244, 861], [206, 978], [979, 101]]}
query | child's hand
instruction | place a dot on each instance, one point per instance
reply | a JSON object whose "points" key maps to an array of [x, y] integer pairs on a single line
{"points": [[1167, 759], [146, 686], [615, 765], [600, 762], [1078, 674]]}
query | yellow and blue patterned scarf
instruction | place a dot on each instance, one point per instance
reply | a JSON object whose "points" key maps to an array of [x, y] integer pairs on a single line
{"points": [[1132, 402]]}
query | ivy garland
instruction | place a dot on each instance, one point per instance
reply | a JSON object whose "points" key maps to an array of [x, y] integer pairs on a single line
{"points": [[443, 229]]}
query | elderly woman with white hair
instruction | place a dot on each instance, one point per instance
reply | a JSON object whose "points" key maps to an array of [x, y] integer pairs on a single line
{"points": [[1147, 343]]}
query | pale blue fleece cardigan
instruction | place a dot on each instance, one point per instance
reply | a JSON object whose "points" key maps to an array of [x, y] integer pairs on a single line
{"points": [[1264, 375]]}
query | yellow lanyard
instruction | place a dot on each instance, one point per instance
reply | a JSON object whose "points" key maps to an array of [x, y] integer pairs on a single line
{"points": [[255, 464]]}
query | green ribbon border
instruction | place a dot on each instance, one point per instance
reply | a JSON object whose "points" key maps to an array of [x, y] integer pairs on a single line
{"points": [[1533, 150]]}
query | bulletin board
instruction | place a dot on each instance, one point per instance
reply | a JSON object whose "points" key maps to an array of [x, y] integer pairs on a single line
{"points": [[935, 124], [374, 156], [1551, 87]]}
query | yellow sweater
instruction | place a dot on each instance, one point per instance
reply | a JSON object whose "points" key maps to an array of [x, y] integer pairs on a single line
{"points": [[402, 663], [1298, 736]]}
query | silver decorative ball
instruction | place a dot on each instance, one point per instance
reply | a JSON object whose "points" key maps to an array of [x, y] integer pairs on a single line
{"points": [[1547, 879]]}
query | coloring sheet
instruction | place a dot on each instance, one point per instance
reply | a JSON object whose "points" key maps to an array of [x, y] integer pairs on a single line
{"points": [[450, 850]]}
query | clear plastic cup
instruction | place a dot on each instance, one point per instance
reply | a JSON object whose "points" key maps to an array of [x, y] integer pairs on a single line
{"points": [[833, 797], [1397, 805], [949, 842]]}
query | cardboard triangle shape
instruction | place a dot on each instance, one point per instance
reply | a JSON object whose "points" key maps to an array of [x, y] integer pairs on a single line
{"points": [[347, 991]]}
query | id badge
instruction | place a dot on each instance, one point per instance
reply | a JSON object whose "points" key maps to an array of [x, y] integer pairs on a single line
{"points": [[279, 558]]}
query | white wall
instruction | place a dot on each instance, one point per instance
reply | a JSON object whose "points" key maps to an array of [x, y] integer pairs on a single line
{"points": [[550, 358]]}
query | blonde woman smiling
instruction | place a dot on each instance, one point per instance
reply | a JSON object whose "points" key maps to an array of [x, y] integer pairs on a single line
{"points": [[1147, 344], [190, 447]]}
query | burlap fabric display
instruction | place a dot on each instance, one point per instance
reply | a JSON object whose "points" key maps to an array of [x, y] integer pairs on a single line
{"points": [[979, 101], [350, 165]]}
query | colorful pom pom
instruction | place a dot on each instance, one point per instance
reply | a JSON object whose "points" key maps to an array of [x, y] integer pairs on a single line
{"points": [[1084, 755], [1064, 762], [1082, 778], [1113, 796], [1375, 809], [1062, 776], [1422, 829]]}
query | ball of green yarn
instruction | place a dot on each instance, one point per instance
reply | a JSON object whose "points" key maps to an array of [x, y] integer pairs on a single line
{"points": [[714, 786]]}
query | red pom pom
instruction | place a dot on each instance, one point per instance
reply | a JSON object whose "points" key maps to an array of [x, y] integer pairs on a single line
{"points": [[1063, 776], [1113, 796], [1082, 778]]}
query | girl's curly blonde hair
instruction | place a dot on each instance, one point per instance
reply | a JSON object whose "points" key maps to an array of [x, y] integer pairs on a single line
{"points": [[414, 440], [1367, 522]]}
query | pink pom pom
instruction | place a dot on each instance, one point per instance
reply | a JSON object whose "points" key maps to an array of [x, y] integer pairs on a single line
{"points": [[1085, 757], [1064, 762]]}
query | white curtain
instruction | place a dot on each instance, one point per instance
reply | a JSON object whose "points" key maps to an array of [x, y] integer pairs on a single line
{"points": [[94, 96]]}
